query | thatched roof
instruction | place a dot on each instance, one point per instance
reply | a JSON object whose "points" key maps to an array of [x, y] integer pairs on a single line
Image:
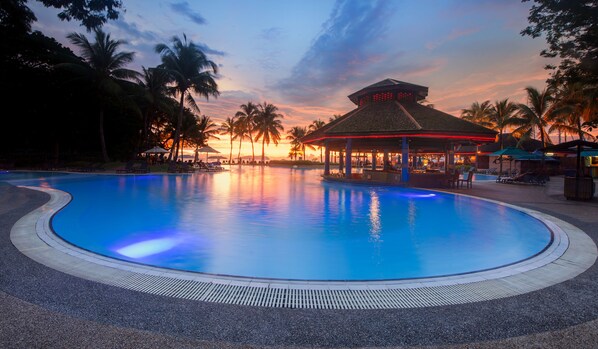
{"points": [[394, 118], [390, 109]]}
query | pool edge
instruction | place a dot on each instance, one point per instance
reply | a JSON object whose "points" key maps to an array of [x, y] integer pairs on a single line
{"points": [[572, 253]]}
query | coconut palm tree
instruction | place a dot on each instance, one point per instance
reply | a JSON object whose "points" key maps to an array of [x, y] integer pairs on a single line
{"points": [[228, 128], [240, 132], [501, 116], [316, 125], [206, 129], [190, 71], [334, 117], [478, 113], [247, 116], [103, 65], [574, 105], [294, 134], [154, 83], [536, 114], [268, 125]]}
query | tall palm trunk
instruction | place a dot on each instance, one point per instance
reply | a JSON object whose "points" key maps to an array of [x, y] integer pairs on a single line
{"points": [[239, 155], [252, 151], [179, 125], [263, 154], [230, 156], [102, 139]]}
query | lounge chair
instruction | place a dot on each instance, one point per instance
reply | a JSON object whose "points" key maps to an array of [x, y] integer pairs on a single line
{"points": [[468, 182], [524, 177], [207, 167]]}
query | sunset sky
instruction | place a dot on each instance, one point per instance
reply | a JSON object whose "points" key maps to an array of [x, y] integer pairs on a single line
{"points": [[307, 56]]}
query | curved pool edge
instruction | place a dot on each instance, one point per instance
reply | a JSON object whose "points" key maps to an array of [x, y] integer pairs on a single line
{"points": [[571, 253]]}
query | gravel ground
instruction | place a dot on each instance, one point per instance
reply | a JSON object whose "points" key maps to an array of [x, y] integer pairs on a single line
{"points": [[43, 308]]}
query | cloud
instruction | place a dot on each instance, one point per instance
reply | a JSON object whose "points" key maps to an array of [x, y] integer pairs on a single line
{"points": [[271, 34], [455, 34], [184, 9], [132, 31], [341, 53]]}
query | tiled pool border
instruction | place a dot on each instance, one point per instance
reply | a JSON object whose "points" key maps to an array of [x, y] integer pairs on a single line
{"points": [[571, 253]]}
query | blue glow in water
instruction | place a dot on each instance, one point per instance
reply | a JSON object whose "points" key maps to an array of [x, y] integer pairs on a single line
{"points": [[287, 223]]}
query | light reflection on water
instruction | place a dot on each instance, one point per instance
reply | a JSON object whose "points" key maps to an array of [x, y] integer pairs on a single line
{"points": [[287, 223]]}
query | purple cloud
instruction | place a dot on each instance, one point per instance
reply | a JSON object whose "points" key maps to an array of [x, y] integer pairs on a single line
{"points": [[341, 52], [184, 9]]}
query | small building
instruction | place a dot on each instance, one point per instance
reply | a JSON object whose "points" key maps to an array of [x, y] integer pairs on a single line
{"points": [[391, 137]]}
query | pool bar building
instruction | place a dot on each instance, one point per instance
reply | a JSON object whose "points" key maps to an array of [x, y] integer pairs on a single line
{"points": [[390, 120]]}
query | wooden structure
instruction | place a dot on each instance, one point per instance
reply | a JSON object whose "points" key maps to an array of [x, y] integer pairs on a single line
{"points": [[391, 125]]}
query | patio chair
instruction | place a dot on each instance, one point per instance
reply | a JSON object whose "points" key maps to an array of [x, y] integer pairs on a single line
{"points": [[453, 179], [468, 182]]}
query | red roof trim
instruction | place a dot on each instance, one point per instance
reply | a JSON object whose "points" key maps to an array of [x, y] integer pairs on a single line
{"points": [[410, 135]]}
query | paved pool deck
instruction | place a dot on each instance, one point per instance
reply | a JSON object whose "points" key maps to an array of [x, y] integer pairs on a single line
{"points": [[44, 308]]}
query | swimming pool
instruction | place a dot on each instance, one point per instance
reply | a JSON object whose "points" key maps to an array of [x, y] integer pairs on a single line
{"points": [[288, 224]]}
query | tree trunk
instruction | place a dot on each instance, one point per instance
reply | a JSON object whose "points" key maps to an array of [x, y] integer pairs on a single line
{"points": [[230, 156], [252, 151], [177, 131], [102, 140], [239, 155], [263, 154]]}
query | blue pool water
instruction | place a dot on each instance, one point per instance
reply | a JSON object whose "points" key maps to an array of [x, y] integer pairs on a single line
{"points": [[479, 177], [287, 223]]}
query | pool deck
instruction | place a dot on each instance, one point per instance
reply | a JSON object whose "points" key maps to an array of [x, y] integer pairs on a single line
{"points": [[43, 307]]}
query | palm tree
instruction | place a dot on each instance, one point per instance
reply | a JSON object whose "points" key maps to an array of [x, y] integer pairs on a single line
{"points": [[154, 82], [294, 135], [574, 105], [478, 113], [247, 116], [189, 70], [316, 125], [537, 114], [240, 131], [228, 128], [334, 117], [268, 125], [501, 116], [206, 130], [103, 65]]}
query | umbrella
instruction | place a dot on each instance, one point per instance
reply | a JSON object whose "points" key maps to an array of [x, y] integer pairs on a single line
{"points": [[155, 150], [511, 152], [572, 147], [206, 149], [535, 157]]}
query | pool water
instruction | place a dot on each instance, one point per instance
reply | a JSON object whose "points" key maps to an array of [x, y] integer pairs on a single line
{"points": [[289, 224]]}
